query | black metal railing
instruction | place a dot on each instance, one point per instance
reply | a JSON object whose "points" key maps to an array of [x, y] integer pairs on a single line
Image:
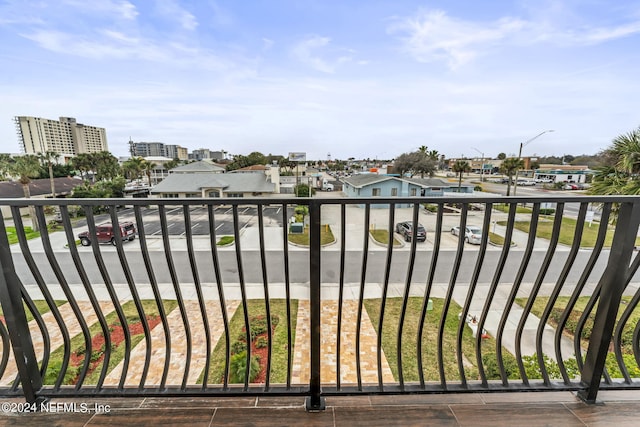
{"points": [[220, 297]]}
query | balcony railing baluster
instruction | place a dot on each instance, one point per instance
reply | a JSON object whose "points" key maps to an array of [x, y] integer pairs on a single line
{"points": [[367, 357]]}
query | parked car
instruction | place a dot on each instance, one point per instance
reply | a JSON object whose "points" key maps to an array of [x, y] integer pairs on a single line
{"points": [[526, 182], [472, 234], [571, 187], [106, 234], [406, 230]]}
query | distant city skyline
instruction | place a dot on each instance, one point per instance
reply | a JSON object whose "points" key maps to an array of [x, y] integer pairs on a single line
{"points": [[350, 78]]}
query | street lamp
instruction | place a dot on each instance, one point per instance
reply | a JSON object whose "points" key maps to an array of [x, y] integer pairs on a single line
{"points": [[481, 164], [524, 144]]}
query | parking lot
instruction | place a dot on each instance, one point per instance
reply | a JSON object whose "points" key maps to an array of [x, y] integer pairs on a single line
{"points": [[199, 219]]}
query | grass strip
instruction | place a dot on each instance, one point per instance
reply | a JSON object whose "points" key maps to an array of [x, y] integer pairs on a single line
{"points": [[326, 236], [279, 341]]}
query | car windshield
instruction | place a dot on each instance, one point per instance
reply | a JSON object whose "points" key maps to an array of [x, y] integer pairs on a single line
{"points": [[474, 230]]}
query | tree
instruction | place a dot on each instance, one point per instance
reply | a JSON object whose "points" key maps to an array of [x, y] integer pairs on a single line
{"points": [[460, 167], [27, 167], [133, 167], [502, 156], [48, 158], [620, 174], [171, 164], [148, 167], [302, 190], [82, 163], [416, 162], [5, 165], [105, 165], [509, 167]]}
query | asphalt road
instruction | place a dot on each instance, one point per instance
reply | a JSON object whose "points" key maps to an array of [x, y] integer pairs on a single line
{"points": [[299, 267]]}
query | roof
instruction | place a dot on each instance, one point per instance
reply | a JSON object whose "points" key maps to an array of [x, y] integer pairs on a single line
{"points": [[198, 167], [363, 180], [228, 182], [38, 187], [252, 168]]}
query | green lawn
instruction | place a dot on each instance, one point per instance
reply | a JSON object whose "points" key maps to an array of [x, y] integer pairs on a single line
{"points": [[429, 342], [382, 236], [505, 208], [570, 327], [326, 236], [279, 344], [41, 306], [567, 231]]}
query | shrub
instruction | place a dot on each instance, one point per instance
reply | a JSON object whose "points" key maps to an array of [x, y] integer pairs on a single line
{"points": [[262, 342], [238, 367], [238, 347], [430, 207], [547, 211]]}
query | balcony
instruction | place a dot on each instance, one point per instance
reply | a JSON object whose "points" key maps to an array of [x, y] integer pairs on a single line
{"points": [[174, 319]]}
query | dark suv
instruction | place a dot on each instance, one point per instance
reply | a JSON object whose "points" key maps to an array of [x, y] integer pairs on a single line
{"points": [[105, 234], [406, 229]]}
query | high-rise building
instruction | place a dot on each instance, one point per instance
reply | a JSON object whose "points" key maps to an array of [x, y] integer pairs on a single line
{"points": [[64, 136], [147, 149]]}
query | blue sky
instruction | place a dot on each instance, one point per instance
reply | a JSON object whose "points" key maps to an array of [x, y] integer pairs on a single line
{"points": [[350, 78]]}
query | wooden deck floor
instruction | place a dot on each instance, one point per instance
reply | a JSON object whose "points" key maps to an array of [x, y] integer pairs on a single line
{"points": [[618, 408]]}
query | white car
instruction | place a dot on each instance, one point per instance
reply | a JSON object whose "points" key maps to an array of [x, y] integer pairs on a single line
{"points": [[472, 234]]}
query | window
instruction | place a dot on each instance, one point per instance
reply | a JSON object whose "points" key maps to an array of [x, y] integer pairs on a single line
{"points": [[413, 192], [375, 192], [394, 192]]}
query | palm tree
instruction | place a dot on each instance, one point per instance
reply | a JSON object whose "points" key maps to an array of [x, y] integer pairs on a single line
{"points": [[48, 157], [27, 167], [133, 167], [626, 148], [460, 167], [148, 167], [509, 167]]}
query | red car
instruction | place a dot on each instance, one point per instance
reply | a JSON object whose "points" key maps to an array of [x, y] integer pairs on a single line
{"points": [[105, 234]]}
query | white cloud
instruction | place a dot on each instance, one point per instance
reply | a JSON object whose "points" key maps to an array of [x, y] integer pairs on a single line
{"points": [[122, 9], [431, 36], [316, 52], [267, 43], [305, 53], [171, 9], [435, 36]]}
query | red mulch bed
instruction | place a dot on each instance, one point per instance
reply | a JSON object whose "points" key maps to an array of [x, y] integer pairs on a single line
{"points": [[117, 339]]}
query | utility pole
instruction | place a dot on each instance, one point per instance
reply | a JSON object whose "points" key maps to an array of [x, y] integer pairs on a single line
{"points": [[522, 145]]}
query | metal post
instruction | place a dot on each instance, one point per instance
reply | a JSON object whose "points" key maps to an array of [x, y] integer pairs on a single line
{"points": [[612, 285], [16, 320], [314, 402]]}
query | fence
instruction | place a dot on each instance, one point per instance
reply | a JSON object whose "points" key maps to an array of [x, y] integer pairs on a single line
{"points": [[216, 297]]}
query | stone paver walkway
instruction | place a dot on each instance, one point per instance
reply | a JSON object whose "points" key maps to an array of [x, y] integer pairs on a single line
{"points": [[178, 347], [55, 334], [328, 333]]}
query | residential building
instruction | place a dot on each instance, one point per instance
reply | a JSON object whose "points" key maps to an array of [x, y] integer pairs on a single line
{"points": [[65, 136], [158, 149], [176, 152], [373, 185], [243, 185], [205, 153], [146, 149], [203, 166]]}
